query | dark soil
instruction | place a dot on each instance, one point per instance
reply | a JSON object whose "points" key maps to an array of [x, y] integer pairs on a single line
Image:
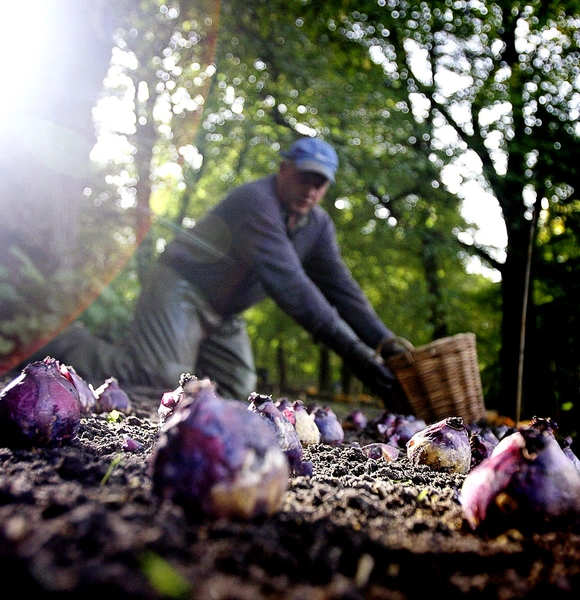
{"points": [[80, 521]]}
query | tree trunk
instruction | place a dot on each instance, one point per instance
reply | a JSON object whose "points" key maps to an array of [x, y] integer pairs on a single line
{"points": [[438, 318], [282, 370], [513, 291], [346, 378], [324, 375]]}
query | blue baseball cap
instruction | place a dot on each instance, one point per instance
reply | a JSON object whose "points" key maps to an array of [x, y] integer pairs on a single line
{"points": [[313, 154]]}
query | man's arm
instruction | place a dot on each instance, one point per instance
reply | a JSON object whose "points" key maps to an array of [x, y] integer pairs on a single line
{"points": [[290, 286], [329, 272]]}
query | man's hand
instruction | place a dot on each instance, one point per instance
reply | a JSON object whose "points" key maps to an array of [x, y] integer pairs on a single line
{"points": [[380, 380], [367, 366], [390, 347]]}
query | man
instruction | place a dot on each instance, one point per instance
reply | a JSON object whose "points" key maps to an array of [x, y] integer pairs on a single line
{"points": [[268, 237]]}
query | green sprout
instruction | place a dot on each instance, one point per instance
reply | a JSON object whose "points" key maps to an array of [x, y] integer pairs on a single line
{"points": [[117, 460], [114, 416], [423, 495], [163, 577]]}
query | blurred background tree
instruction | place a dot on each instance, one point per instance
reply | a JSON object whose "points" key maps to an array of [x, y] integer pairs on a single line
{"points": [[434, 108]]}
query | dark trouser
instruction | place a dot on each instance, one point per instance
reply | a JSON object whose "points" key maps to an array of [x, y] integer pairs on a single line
{"points": [[174, 331]]}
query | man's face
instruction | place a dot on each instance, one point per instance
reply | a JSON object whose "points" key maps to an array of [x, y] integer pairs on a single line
{"points": [[300, 191]]}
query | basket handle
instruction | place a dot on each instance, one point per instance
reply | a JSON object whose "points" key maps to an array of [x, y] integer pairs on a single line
{"points": [[397, 339]]}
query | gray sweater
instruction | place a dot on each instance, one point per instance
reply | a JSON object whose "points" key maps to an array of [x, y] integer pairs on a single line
{"points": [[242, 251]]}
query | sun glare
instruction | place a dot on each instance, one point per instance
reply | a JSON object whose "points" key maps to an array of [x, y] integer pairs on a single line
{"points": [[20, 41]]}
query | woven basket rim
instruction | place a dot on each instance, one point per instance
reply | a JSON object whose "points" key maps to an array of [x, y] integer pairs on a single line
{"points": [[442, 379], [456, 343]]}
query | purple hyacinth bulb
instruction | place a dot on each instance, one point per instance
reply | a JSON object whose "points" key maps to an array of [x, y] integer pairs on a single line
{"points": [[87, 397], [286, 407], [481, 448], [217, 459], [110, 396], [306, 428], [397, 430], [380, 450], [331, 431], [40, 407], [189, 386], [384, 423], [548, 424], [285, 432], [131, 445], [443, 446], [355, 420], [168, 403], [526, 482], [404, 427], [566, 445]]}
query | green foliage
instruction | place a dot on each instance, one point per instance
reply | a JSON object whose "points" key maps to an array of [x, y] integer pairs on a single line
{"points": [[111, 312], [37, 296]]}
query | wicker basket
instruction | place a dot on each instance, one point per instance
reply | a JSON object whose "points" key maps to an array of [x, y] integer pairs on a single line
{"points": [[441, 379]]}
